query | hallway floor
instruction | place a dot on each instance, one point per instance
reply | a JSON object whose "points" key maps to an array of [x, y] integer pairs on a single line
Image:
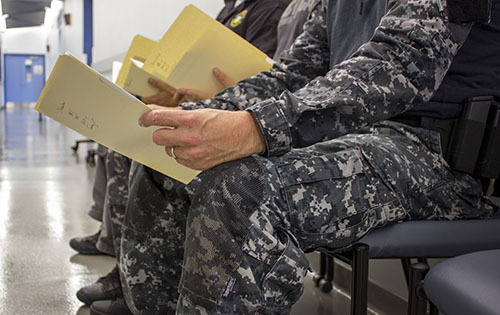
{"points": [[45, 192]]}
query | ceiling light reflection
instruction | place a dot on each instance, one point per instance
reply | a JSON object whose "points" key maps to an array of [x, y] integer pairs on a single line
{"points": [[5, 205], [78, 278], [53, 207]]}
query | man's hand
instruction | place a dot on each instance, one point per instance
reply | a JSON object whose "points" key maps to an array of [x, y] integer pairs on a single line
{"points": [[165, 96], [204, 138], [189, 95]]}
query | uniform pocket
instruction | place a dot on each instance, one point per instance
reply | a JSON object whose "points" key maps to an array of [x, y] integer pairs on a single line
{"points": [[282, 285], [329, 198]]}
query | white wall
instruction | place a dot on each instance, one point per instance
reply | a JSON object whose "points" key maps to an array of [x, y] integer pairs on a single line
{"points": [[116, 22], [52, 40], [72, 35], [24, 40]]}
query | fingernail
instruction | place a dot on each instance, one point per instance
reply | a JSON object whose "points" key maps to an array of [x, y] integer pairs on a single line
{"points": [[151, 80], [216, 71], [140, 123]]}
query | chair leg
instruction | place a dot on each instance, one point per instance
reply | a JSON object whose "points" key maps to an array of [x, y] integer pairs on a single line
{"points": [[90, 158], [417, 303], [322, 269], [433, 309], [422, 260], [406, 263], [324, 279], [359, 289], [326, 283]]}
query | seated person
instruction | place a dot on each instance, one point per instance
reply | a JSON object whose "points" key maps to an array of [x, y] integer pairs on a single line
{"points": [[306, 156], [258, 26], [253, 20]]}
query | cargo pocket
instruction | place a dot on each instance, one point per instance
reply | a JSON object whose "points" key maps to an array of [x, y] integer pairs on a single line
{"points": [[282, 285], [329, 198]]}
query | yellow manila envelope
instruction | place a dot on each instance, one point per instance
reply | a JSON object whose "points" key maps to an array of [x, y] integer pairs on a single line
{"points": [[82, 99], [196, 43], [138, 50]]}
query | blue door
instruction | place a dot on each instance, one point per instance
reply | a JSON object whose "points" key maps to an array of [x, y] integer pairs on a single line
{"points": [[24, 77]]}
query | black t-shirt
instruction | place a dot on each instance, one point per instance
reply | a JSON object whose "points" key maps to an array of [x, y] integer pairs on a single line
{"points": [[255, 20]]}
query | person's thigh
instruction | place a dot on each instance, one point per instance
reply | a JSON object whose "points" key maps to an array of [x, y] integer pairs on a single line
{"points": [[409, 161], [251, 221], [153, 233]]}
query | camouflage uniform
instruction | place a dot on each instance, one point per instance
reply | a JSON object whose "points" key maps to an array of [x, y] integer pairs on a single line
{"points": [[117, 169], [291, 23], [105, 240], [253, 20], [233, 240]]}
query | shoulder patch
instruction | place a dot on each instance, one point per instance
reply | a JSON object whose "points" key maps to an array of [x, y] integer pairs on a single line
{"points": [[238, 19], [461, 11]]}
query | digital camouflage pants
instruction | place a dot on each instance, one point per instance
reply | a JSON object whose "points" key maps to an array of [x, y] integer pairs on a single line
{"points": [[233, 240], [117, 169]]}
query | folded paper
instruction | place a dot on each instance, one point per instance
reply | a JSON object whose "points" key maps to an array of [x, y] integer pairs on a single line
{"points": [[193, 45], [138, 50], [85, 101]]}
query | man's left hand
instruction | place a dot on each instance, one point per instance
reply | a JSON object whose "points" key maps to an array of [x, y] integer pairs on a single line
{"points": [[204, 138]]}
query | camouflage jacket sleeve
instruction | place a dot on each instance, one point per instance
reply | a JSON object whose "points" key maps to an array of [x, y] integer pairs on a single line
{"points": [[307, 60], [402, 65]]}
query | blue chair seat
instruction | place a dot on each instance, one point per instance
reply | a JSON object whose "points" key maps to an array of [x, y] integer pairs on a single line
{"points": [[406, 240], [467, 284], [433, 239]]}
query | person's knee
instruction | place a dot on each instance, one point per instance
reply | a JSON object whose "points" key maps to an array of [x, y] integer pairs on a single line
{"points": [[242, 177], [230, 193]]}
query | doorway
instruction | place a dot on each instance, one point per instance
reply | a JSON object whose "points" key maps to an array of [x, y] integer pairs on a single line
{"points": [[24, 77]]}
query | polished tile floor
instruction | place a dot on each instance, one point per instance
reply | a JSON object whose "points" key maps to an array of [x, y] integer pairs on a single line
{"points": [[45, 192]]}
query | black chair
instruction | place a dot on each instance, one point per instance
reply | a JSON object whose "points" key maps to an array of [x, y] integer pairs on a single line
{"points": [[406, 241]]}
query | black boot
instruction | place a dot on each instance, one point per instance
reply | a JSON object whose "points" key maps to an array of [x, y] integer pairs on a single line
{"points": [[110, 307], [106, 288], [86, 245]]}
